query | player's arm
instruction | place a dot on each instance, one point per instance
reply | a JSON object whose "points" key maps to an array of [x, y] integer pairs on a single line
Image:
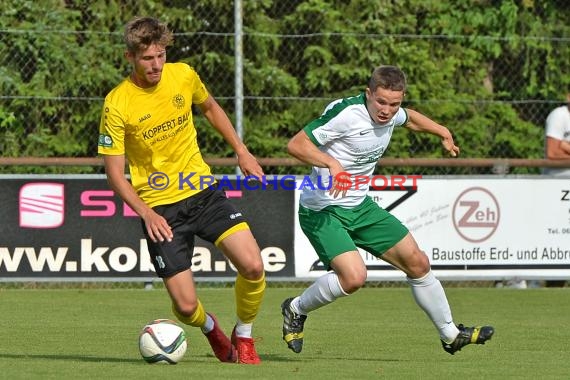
{"points": [[219, 120], [557, 149], [303, 149], [421, 123], [156, 226], [565, 145]]}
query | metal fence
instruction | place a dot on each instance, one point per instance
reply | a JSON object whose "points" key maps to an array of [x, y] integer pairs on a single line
{"points": [[226, 25]]}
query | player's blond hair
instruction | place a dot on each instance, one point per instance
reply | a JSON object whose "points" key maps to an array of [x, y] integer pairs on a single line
{"points": [[141, 32]]}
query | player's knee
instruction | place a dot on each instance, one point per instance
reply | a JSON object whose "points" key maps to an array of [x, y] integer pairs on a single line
{"points": [[186, 308], [420, 265], [253, 270], [353, 281]]}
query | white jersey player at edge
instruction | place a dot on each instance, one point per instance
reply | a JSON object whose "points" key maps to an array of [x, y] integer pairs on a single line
{"points": [[349, 137]]}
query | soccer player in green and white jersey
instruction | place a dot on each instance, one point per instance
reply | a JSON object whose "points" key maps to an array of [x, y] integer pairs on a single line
{"points": [[349, 137]]}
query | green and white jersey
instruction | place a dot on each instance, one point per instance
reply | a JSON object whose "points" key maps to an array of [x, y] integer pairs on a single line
{"points": [[346, 131]]}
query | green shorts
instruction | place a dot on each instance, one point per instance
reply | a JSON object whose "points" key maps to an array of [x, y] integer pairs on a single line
{"points": [[335, 230]]}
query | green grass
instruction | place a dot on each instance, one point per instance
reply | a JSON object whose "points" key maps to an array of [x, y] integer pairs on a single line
{"points": [[376, 333]]}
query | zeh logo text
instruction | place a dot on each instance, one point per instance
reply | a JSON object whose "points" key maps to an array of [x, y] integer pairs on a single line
{"points": [[476, 214]]}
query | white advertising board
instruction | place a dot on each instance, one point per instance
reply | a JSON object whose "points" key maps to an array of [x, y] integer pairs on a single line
{"points": [[473, 228]]}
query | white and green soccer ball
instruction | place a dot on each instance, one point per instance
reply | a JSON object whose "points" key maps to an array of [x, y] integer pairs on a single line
{"points": [[162, 341]]}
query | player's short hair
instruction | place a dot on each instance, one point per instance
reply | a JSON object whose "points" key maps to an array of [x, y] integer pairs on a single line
{"points": [[387, 77], [141, 32]]}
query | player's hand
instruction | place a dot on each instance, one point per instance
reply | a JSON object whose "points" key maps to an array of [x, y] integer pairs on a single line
{"points": [[450, 146], [157, 228], [340, 182], [249, 166], [565, 145]]}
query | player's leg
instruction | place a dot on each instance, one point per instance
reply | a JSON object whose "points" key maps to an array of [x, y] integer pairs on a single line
{"points": [[189, 310], [224, 226], [430, 296], [336, 250], [325, 290], [426, 289], [172, 262], [242, 250], [348, 275]]}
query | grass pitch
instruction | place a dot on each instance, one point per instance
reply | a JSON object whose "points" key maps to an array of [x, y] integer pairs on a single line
{"points": [[375, 333]]}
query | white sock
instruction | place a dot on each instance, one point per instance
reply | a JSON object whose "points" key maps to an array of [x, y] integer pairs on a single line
{"points": [[243, 330], [324, 290], [209, 325], [430, 296]]}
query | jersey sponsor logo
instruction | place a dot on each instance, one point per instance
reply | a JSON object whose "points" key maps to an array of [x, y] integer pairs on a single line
{"points": [[370, 157], [178, 101], [105, 141], [41, 205], [145, 117], [362, 133]]}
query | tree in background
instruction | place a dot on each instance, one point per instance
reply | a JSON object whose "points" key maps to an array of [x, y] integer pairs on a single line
{"points": [[489, 70]]}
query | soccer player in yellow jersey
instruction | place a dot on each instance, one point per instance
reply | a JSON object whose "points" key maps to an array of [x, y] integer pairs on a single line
{"points": [[147, 118]]}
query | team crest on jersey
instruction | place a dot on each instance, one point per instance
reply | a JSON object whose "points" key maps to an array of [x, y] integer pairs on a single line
{"points": [[178, 101], [105, 140]]}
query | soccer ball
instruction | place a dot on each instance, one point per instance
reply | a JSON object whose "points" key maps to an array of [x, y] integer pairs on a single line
{"points": [[162, 341]]}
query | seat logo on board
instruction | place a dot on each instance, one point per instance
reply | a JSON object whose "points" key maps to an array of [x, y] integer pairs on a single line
{"points": [[41, 205]]}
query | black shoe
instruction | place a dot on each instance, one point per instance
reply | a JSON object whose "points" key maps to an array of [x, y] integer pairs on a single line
{"points": [[468, 335], [292, 326]]}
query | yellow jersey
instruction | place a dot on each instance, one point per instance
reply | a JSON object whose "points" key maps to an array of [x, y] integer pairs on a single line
{"points": [[154, 129]]}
